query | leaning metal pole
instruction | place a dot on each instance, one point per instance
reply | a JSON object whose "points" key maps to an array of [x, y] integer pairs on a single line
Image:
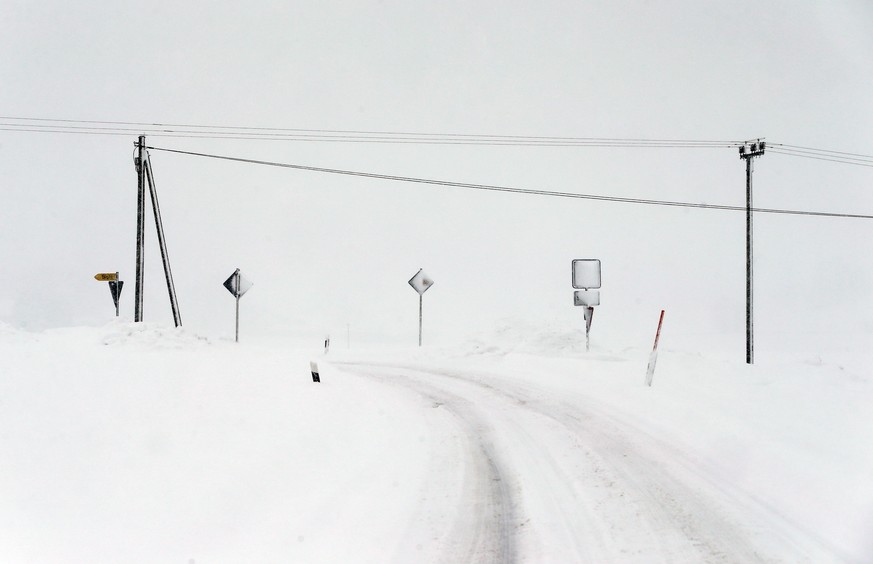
{"points": [[140, 228], [159, 225]]}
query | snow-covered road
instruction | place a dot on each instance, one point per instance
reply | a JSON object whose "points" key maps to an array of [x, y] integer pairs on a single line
{"points": [[542, 478], [138, 443]]}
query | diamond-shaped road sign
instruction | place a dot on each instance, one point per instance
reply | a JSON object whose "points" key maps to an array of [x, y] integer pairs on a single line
{"points": [[237, 284], [420, 282]]}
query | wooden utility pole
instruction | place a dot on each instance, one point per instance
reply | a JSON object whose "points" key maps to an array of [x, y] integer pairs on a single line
{"points": [[748, 152], [144, 176], [139, 161]]}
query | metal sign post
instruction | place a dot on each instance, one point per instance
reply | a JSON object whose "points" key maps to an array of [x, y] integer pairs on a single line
{"points": [[420, 283], [237, 285], [586, 277]]}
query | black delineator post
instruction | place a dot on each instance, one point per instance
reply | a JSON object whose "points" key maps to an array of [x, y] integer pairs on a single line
{"points": [[139, 161], [748, 152]]}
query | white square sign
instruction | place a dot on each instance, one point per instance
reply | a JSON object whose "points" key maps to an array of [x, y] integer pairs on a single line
{"points": [[586, 273]]}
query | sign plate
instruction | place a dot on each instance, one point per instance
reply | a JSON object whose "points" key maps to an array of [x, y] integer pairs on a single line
{"points": [[106, 276], [586, 298], [237, 284], [420, 282], [586, 273], [115, 289]]}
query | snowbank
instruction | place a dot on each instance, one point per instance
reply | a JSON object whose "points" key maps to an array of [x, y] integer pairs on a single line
{"points": [[140, 443]]}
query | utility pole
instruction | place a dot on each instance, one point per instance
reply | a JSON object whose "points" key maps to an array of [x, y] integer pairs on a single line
{"points": [[748, 151], [145, 176], [139, 161]]}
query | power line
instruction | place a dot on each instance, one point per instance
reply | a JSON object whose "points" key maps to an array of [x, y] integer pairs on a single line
{"points": [[347, 136], [373, 138], [813, 156], [821, 150], [800, 152], [4, 128], [172, 134], [496, 188], [258, 131]]}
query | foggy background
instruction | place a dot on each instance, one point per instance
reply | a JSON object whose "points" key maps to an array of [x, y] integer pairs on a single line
{"points": [[330, 254]]}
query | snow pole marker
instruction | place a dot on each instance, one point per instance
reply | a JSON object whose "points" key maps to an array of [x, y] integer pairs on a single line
{"points": [[326, 344], [653, 358], [313, 367]]}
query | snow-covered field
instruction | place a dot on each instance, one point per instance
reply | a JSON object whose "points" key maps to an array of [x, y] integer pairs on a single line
{"points": [[139, 443]]}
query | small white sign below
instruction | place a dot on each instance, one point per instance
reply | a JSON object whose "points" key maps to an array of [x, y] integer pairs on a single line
{"points": [[586, 298]]}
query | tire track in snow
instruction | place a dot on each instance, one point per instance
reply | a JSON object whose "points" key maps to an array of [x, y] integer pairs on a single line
{"points": [[559, 520], [486, 534], [681, 496]]}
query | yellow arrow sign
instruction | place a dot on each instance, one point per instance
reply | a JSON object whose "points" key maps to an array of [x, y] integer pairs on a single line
{"points": [[106, 276]]}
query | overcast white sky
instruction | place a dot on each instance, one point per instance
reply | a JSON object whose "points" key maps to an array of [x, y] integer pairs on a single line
{"points": [[325, 251]]}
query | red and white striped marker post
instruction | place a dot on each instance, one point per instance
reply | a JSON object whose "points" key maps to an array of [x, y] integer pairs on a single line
{"points": [[650, 371]]}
